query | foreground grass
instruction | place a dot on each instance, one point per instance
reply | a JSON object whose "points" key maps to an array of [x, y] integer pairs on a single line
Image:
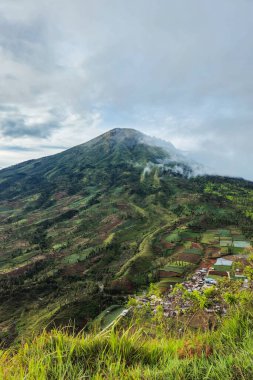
{"points": [[226, 353]]}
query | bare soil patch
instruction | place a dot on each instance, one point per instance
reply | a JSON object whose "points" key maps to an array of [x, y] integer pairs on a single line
{"points": [[194, 259]]}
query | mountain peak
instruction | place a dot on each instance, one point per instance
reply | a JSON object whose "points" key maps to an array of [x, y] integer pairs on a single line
{"points": [[120, 134], [131, 137], [122, 131]]}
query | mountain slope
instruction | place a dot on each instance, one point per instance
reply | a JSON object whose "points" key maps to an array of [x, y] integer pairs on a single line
{"points": [[78, 229], [114, 148]]}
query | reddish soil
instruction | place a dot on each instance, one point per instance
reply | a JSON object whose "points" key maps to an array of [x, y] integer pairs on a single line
{"points": [[196, 245], [18, 271], [167, 245], [121, 285], [123, 206], [187, 239], [188, 257], [158, 249], [12, 204], [213, 252], [191, 350], [179, 249], [165, 274], [207, 263], [96, 259], [242, 260], [60, 195], [109, 223], [218, 273], [23, 269], [74, 269], [22, 244]]}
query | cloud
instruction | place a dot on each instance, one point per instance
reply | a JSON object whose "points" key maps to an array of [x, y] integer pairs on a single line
{"points": [[178, 70], [18, 128], [15, 148]]}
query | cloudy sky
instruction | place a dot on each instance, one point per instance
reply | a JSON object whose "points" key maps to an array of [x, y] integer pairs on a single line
{"points": [[180, 70]]}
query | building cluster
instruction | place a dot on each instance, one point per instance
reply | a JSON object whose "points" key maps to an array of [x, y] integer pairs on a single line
{"points": [[174, 304]]}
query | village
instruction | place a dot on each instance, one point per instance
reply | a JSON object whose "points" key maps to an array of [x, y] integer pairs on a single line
{"points": [[179, 284], [200, 280], [193, 267]]}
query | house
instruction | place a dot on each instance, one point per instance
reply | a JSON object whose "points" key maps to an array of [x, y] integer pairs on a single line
{"points": [[223, 265]]}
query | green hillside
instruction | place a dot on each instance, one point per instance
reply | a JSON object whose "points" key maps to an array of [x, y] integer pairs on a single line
{"points": [[83, 229]]}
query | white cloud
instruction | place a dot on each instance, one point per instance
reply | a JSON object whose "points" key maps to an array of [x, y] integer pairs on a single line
{"points": [[178, 70]]}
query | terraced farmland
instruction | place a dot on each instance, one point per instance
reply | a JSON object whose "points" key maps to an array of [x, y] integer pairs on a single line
{"points": [[189, 249]]}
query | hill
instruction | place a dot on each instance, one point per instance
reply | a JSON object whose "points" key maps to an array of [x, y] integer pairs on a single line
{"points": [[82, 229]]}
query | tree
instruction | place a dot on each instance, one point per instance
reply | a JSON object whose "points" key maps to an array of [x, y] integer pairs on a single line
{"points": [[248, 270], [231, 298]]}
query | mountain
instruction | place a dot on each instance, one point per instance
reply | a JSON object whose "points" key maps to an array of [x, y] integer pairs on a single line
{"points": [[118, 147], [79, 230]]}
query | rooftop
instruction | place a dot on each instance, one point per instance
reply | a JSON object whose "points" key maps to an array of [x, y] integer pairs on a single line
{"points": [[224, 262]]}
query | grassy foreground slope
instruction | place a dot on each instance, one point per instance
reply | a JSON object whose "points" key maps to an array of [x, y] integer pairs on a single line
{"points": [[136, 354]]}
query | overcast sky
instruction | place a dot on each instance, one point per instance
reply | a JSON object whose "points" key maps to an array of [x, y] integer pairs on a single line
{"points": [[180, 70]]}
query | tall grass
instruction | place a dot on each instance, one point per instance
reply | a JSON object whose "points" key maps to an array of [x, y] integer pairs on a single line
{"points": [[225, 354]]}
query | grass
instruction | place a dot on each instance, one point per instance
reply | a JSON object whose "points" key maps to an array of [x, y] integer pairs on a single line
{"points": [[189, 235], [77, 257], [179, 263], [174, 268], [59, 246], [224, 232], [173, 237], [224, 250], [132, 354], [109, 239], [226, 243], [170, 280], [223, 268], [111, 316], [208, 238]]}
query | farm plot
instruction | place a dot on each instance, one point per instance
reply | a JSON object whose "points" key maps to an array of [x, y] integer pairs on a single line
{"points": [[228, 240], [187, 249], [174, 272], [224, 233], [191, 253], [210, 237], [188, 235], [109, 315], [189, 257], [226, 243], [173, 237]]}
